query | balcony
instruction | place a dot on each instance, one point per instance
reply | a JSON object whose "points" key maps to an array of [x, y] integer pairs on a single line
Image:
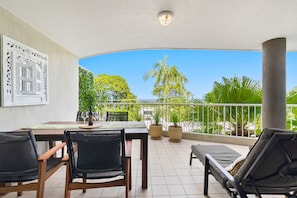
{"points": [[170, 175], [169, 172]]}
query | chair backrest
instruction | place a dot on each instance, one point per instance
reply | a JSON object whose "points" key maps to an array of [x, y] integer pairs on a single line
{"points": [[18, 155], [96, 151], [272, 161], [116, 116]]}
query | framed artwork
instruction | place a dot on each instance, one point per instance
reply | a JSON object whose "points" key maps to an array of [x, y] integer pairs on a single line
{"points": [[24, 76]]}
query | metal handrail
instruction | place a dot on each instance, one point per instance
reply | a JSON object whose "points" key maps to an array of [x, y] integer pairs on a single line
{"points": [[221, 119]]}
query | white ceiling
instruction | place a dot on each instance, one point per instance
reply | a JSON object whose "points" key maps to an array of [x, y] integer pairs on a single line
{"points": [[90, 27]]}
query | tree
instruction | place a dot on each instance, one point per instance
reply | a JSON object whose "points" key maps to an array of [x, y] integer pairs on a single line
{"points": [[169, 81], [112, 88], [115, 88], [292, 96], [87, 95], [236, 90]]}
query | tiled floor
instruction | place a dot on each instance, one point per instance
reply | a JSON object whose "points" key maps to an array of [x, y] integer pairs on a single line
{"points": [[170, 175]]}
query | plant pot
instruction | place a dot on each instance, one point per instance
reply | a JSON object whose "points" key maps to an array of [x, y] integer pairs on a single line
{"points": [[156, 131], [175, 133]]}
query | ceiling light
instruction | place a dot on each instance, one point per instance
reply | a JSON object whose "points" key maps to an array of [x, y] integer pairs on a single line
{"points": [[165, 17]]}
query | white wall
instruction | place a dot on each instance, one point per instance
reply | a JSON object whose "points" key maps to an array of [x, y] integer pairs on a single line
{"points": [[62, 73]]}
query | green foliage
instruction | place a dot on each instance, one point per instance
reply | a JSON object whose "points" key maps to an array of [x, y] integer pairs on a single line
{"points": [[291, 115], [157, 115], [169, 81], [235, 90], [112, 88], [174, 118], [87, 94], [135, 115], [292, 96]]}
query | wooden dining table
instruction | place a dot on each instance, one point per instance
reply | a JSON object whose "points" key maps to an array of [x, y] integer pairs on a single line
{"points": [[54, 131]]}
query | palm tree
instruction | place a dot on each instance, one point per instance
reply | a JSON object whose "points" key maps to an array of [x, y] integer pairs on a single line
{"points": [[169, 81], [236, 90]]}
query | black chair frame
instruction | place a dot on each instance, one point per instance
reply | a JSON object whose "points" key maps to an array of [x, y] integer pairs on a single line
{"points": [[97, 154]]}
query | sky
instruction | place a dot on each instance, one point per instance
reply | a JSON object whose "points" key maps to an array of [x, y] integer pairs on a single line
{"points": [[201, 67]]}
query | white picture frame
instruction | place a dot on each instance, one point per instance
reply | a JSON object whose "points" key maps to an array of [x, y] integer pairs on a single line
{"points": [[24, 75]]}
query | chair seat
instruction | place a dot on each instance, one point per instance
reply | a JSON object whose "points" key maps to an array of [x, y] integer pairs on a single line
{"points": [[97, 175], [19, 176], [23, 176]]}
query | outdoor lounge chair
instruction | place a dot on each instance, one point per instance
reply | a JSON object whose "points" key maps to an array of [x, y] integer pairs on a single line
{"points": [[21, 167], [97, 158], [269, 168]]}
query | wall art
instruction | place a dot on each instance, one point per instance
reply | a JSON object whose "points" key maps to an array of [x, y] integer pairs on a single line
{"points": [[24, 76]]}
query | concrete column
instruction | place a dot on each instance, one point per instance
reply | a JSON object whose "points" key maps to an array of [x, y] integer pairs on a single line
{"points": [[274, 84]]}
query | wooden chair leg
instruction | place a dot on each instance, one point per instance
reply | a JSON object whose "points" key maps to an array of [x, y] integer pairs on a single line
{"points": [[67, 181], [84, 182], [3, 184], [41, 179], [127, 190], [20, 193], [129, 172], [128, 176], [128, 164]]}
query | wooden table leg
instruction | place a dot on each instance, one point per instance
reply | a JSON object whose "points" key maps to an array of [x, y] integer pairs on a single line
{"points": [[144, 144], [141, 149]]}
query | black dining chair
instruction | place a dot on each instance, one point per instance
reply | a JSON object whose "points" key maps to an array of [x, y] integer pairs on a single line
{"points": [[97, 155], [21, 164]]}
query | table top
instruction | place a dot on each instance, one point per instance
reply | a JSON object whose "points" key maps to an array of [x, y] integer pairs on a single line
{"points": [[54, 130]]}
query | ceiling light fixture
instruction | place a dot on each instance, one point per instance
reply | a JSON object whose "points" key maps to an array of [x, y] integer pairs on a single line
{"points": [[165, 17]]}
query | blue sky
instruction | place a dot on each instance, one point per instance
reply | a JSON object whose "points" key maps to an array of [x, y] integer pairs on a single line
{"points": [[201, 67]]}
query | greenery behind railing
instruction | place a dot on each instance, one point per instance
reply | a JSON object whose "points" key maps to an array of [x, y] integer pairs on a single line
{"points": [[221, 119]]}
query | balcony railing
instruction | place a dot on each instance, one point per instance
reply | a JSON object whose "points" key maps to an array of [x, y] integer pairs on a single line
{"points": [[220, 119]]}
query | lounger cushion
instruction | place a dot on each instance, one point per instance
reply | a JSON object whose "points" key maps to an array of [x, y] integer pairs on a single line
{"points": [[223, 154]]}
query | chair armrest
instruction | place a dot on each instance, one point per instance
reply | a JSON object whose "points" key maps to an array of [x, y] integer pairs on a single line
{"points": [[128, 147], [210, 161], [51, 152]]}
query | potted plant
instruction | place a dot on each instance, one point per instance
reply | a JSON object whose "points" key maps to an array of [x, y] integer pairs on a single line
{"points": [[175, 131], [156, 131]]}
